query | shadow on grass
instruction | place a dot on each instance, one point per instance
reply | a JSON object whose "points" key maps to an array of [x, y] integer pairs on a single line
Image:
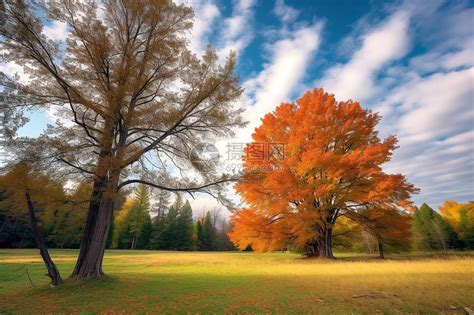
{"points": [[204, 293], [404, 256]]}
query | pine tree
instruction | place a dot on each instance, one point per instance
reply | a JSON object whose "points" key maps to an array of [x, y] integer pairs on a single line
{"points": [[160, 210], [178, 227], [139, 219], [431, 231], [206, 233], [132, 225], [185, 227]]}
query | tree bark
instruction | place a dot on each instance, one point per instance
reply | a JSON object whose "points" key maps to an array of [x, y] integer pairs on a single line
{"points": [[324, 243], [53, 272], [322, 246], [92, 257], [133, 242], [89, 262], [94, 205], [381, 252]]}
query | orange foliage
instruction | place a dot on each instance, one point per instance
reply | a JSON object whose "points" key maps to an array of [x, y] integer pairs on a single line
{"points": [[331, 165]]}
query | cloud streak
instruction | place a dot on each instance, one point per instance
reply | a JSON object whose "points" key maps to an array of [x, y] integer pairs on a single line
{"points": [[238, 28], [381, 45], [281, 75]]}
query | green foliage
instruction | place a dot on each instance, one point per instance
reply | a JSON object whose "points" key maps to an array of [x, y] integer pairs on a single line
{"points": [[466, 223], [61, 215], [206, 233], [132, 226], [174, 230], [431, 231], [210, 235], [460, 216]]}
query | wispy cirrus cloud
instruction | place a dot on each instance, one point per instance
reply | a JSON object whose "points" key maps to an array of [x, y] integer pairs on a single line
{"points": [[289, 58], [381, 45], [426, 98], [284, 12], [238, 28]]}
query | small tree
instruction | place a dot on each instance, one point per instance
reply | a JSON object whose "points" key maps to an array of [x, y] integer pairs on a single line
{"points": [[160, 210], [390, 227], [139, 221], [27, 190], [178, 227]]}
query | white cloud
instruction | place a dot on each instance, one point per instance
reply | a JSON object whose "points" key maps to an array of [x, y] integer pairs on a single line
{"points": [[435, 105], [380, 46], [426, 100], [277, 81], [433, 117], [430, 107], [284, 12], [206, 13], [56, 31], [11, 69], [237, 28]]}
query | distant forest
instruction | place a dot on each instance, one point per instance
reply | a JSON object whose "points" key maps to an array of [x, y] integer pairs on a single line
{"points": [[160, 220]]}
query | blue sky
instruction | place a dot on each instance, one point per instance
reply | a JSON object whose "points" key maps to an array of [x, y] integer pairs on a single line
{"points": [[412, 61]]}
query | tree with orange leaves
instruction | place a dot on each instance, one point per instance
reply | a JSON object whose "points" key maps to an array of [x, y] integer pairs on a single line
{"points": [[460, 216], [390, 227], [309, 163]]}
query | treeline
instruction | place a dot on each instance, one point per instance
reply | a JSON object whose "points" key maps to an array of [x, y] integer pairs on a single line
{"points": [[165, 226], [450, 228], [163, 221], [142, 221]]}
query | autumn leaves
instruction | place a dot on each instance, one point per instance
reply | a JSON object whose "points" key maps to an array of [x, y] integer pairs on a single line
{"points": [[332, 166]]}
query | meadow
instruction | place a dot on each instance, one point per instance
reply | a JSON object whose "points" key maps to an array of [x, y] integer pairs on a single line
{"points": [[235, 282]]}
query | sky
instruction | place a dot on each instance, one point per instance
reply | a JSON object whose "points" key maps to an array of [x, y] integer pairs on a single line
{"points": [[411, 61]]}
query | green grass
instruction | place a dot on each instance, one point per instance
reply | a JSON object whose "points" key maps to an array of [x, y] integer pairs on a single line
{"points": [[195, 282]]}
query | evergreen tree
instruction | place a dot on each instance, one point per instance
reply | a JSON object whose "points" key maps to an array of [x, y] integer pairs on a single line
{"points": [[185, 227], [132, 226], [211, 232], [178, 227], [139, 222], [160, 210], [199, 235], [206, 233], [431, 231], [169, 237]]}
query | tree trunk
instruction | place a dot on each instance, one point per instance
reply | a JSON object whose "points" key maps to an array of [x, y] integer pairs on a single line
{"points": [[101, 206], [324, 243], [322, 246], [53, 272], [91, 262], [381, 253], [133, 242], [92, 214]]}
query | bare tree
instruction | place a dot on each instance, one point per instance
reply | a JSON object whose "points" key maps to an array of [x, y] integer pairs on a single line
{"points": [[132, 100]]}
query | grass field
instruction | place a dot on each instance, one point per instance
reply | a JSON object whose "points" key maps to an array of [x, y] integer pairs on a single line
{"points": [[199, 282]]}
